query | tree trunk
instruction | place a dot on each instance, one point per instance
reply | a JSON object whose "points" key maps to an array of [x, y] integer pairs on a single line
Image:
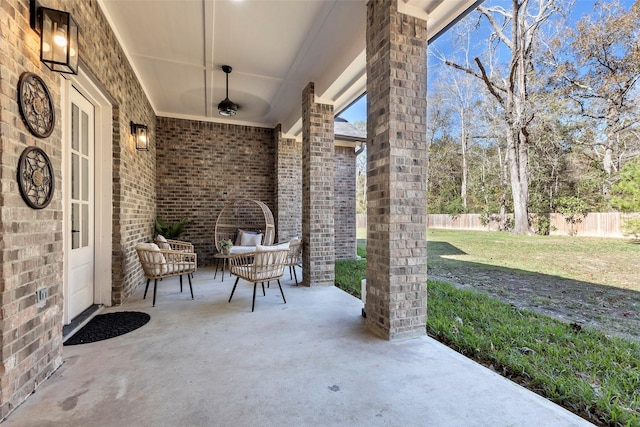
{"points": [[503, 197], [517, 136], [611, 130], [518, 161], [465, 172]]}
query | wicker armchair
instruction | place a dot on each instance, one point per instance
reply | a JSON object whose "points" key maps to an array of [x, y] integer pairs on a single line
{"points": [[174, 245], [160, 263], [262, 265], [293, 257]]}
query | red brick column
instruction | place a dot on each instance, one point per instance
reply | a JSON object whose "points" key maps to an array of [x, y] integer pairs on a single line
{"points": [[396, 304], [317, 191]]}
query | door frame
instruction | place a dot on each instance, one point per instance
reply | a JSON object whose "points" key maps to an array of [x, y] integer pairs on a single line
{"points": [[103, 184]]}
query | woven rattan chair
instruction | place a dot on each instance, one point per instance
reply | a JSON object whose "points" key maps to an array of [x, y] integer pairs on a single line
{"points": [[160, 263], [250, 216], [293, 257], [260, 266], [174, 245]]}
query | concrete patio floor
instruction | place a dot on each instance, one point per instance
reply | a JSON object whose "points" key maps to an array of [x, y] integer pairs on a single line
{"points": [[310, 362]]}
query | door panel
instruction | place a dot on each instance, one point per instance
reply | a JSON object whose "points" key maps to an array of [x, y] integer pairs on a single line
{"points": [[81, 204]]}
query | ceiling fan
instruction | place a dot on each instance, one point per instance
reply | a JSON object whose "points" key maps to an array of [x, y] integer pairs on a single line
{"points": [[227, 107]]}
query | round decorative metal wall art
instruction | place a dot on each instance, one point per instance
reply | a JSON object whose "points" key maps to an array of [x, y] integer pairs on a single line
{"points": [[35, 177], [36, 105]]}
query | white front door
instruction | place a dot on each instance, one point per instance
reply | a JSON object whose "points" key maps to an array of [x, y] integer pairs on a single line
{"points": [[79, 202]]}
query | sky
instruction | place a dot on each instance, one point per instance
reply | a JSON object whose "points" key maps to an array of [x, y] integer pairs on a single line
{"points": [[358, 110]]}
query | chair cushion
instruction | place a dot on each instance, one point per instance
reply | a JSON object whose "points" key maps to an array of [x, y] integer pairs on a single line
{"points": [[241, 249], [182, 267], [261, 260], [152, 260], [243, 271], [162, 242], [273, 248], [251, 239], [147, 246]]}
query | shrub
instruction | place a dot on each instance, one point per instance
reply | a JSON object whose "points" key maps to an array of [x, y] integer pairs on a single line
{"points": [[631, 228], [170, 231], [543, 225], [573, 209]]}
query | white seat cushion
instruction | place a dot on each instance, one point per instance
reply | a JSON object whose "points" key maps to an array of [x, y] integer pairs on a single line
{"points": [[273, 248], [242, 249], [153, 261], [182, 267], [262, 259]]}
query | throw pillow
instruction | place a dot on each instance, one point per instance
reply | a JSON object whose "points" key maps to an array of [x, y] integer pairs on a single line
{"points": [[241, 232], [152, 260], [162, 242], [250, 239]]}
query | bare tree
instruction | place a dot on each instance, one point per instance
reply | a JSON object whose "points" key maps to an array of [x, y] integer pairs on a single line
{"points": [[361, 172], [601, 68], [516, 29], [463, 94], [438, 123]]}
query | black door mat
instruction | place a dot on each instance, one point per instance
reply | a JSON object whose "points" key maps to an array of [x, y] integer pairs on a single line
{"points": [[80, 319], [105, 326]]}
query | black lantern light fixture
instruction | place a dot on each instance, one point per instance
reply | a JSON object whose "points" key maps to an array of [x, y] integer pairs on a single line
{"points": [[227, 107], [140, 135], [58, 37]]}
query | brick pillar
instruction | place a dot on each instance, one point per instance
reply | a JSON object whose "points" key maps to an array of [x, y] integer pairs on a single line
{"points": [[345, 202], [318, 254], [288, 187], [396, 303]]}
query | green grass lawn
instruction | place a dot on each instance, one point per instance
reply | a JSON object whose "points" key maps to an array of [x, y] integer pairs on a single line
{"points": [[586, 371], [587, 259], [596, 376]]}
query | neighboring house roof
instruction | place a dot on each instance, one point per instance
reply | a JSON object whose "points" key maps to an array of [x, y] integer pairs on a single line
{"points": [[345, 132]]}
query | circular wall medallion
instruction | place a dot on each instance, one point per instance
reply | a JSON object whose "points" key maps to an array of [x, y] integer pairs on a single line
{"points": [[36, 105], [35, 177]]}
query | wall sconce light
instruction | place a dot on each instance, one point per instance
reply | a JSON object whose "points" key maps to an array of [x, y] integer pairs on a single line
{"points": [[58, 37], [140, 134]]}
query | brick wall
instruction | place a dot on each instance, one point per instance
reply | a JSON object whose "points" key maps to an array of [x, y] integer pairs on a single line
{"points": [[203, 165], [317, 191], [345, 202], [288, 214], [396, 171], [31, 241], [134, 198]]}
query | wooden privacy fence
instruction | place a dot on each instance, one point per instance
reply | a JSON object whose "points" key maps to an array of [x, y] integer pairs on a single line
{"points": [[597, 224]]}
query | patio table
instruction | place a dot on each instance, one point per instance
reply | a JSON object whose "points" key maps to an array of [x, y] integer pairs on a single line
{"points": [[224, 257]]}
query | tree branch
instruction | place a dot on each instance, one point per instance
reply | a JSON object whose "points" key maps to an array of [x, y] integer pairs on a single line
{"points": [[496, 27], [493, 89]]}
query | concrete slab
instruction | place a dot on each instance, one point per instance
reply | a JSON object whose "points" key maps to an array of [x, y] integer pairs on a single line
{"points": [[310, 362]]}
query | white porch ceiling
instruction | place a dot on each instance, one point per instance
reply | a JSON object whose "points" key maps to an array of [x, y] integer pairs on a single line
{"points": [[177, 48]]}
